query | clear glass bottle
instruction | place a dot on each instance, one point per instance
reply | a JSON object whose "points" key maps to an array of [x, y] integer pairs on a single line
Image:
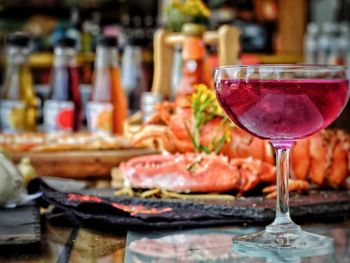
{"points": [[325, 43], [107, 108], [133, 78], [343, 41], [310, 44], [63, 109], [176, 72], [19, 105]]}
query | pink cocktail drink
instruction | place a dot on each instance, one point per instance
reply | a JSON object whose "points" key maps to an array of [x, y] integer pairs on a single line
{"points": [[282, 109], [282, 103]]}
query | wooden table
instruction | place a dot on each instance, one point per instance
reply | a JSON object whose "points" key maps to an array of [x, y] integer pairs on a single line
{"points": [[65, 244]]}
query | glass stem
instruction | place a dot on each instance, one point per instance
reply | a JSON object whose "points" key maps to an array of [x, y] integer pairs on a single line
{"points": [[282, 201], [282, 222]]}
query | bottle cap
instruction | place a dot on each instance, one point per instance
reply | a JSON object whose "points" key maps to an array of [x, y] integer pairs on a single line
{"points": [[107, 41], [192, 29], [18, 39], [66, 42]]}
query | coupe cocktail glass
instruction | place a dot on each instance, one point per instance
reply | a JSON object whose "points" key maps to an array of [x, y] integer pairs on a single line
{"points": [[282, 103]]}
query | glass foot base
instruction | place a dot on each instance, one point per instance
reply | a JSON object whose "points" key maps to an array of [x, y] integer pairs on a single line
{"points": [[283, 245]]}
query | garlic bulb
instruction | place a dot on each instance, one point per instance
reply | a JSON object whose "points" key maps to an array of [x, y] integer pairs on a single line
{"points": [[27, 170], [11, 181]]}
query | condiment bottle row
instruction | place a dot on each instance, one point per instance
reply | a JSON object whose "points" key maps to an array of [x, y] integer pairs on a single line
{"points": [[63, 108]]}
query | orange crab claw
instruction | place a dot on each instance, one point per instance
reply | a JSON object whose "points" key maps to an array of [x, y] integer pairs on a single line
{"points": [[163, 113], [339, 167], [244, 145], [318, 152], [193, 172], [157, 136], [300, 159], [253, 172]]}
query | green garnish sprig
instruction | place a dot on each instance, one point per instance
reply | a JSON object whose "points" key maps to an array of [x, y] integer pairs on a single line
{"points": [[205, 107]]}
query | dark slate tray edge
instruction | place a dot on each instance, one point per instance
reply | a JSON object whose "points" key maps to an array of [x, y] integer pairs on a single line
{"points": [[37, 232]]}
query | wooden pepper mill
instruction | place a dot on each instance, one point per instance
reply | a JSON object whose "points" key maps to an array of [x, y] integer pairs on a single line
{"points": [[226, 38]]}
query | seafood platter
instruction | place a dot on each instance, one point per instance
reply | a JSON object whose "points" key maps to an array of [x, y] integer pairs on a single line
{"points": [[189, 154], [205, 157]]}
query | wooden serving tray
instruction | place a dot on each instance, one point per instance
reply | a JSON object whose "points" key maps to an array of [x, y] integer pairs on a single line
{"points": [[79, 164]]}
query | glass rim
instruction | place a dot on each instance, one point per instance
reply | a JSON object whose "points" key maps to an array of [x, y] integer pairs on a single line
{"points": [[288, 67]]}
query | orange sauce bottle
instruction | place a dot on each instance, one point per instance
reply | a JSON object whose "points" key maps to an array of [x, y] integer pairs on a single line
{"points": [[194, 69], [107, 108]]}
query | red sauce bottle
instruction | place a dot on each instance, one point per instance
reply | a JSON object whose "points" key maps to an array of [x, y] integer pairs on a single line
{"points": [[63, 109]]}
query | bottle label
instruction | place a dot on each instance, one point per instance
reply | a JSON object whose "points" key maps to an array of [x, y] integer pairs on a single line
{"points": [[58, 115], [12, 116], [191, 66], [99, 116]]}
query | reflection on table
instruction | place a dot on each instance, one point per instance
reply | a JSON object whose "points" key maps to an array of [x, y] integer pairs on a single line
{"points": [[65, 244], [215, 245]]}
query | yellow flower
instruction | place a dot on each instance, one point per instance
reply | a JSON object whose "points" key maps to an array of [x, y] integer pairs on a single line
{"points": [[179, 5], [197, 8], [190, 7], [204, 93]]}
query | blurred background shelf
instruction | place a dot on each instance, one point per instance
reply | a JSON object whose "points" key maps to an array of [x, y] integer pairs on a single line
{"points": [[272, 31], [44, 59], [267, 26]]}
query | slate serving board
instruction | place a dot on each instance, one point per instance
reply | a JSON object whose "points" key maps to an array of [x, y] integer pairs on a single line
{"points": [[20, 226], [315, 206], [93, 208]]}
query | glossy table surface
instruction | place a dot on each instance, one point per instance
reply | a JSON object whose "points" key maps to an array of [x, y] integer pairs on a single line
{"points": [[65, 244]]}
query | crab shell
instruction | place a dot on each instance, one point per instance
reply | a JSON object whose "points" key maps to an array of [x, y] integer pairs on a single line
{"points": [[193, 172], [322, 159], [167, 127]]}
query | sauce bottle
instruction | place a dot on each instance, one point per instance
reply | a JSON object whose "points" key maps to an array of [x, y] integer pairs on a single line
{"points": [[107, 108], [18, 106], [133, 77], [193, 61], [63, 109]]}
